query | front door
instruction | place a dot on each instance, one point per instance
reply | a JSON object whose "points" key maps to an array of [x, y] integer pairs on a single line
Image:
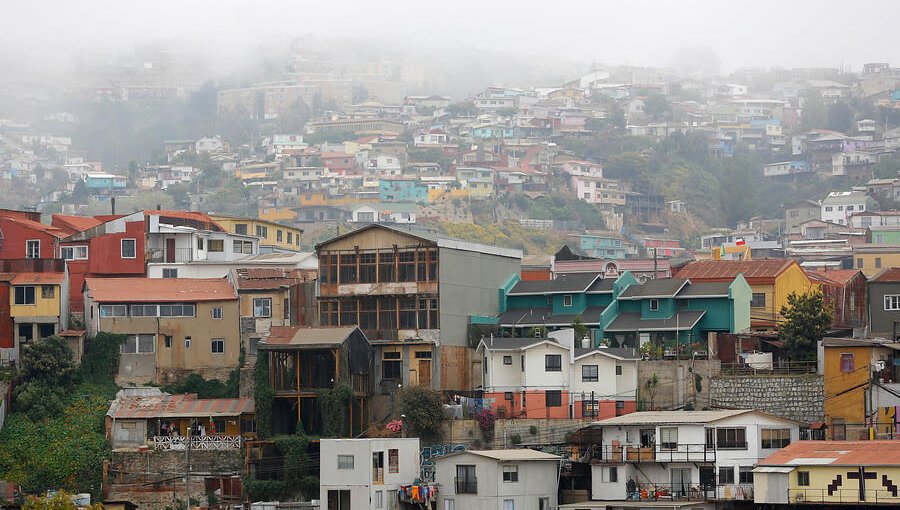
{"points": [[681, 481], [170, 251], [424, 370]]}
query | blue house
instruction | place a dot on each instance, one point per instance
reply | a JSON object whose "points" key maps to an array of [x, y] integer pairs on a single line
{"points": [[402, 190], [105, 182], [602, 246]]}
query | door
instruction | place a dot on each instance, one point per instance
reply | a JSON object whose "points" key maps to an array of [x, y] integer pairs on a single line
{"points": [[170, 250], [424, 374], [681, 481], [338, 500]]}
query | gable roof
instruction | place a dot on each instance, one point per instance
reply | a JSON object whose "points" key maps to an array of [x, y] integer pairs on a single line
{"points": [[655, 288], [515, 344], [840, 277], [836, 453], [36, 225], [886, 275], [178, 406], [429, 236], [74, 224], [754, 271], [563, 283], [297, 337], [38, 278], [613, 352], [159, 290]]}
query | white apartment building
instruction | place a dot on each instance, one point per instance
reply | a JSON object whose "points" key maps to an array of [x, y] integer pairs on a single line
{"points": [[362, 474], [838, 206]]}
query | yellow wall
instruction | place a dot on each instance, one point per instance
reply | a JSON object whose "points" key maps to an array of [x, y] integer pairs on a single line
{"points": [[792, 280], [272, 228], [321, 199], [868, 262], [278, 298], [276, 214], [820, 477], [42, 307], [435, 194], [840, 401]]}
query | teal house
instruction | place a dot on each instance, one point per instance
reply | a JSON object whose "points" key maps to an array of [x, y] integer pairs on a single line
{"points": [[670, 317], [601, 246], [402, 190]]}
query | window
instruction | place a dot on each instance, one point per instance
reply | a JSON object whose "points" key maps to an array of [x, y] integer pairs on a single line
{"points": [[73, 252], [554, 398], [32, 249], [509, 504], [218, 346], [393, 460], [48, 291], [507, 360], [368, 268], [510, 473], [726, 475], [775, 438], [129, 249], [338, 500], [508, 395], [590, 373], [892, 302], [378, 500], [828, 208], [612, 474], [877, 262], [176, 310], [199, 243], [590, 408], [240, 228], [167, 341], [187, 342], [262, 231], [245, 247], [254, 345], [406, 267], [262, 307], [849, 207], [745, 474], [758, 300], [731, 437], [408, 313], [879, 239], [466, 483], [567, 300], [279, 236], [345, 461], [385, 267], [143, 311], [803, 478], [391, 365], [543, 503], [847, 362], [668, 438], [216, 245], [618, 369], [139, 344], [348, 269], [553, 363], [290, 237], [859, 263], [654, 305], [113, 311], [170, 272], [217, 312], [25, 296]]}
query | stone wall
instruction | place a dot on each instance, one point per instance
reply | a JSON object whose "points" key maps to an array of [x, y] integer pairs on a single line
{"points": [[677, 385], [797, 397]]}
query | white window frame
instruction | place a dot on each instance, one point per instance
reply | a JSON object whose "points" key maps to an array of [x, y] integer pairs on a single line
{"points": [[261, 316], [217, 312], [74, 252], [891, 302], [217, 342], [567, 300], [116, 311], [137, 344], [164, 274], [346, 462], [510, 473], [668, 438], [122, 248], [28, 244], [654, 305]]}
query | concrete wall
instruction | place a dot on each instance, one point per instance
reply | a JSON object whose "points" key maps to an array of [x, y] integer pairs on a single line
{"points": [[676, 382], [794, 397], [547, 431]]}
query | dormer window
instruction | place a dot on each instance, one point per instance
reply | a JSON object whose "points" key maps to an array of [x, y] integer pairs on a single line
{"points": [[654, 305], [567, 300]]}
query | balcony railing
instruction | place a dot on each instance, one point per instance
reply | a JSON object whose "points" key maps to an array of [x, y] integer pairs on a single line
{"points": [[655, 453], [851, 496], [171, 255], [466, 485], [686, 491], [196, 442]]}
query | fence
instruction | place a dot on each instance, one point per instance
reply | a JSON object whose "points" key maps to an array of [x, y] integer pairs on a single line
{"points": [[836, 495], [654, 453], [778, 368], [196, 442]]}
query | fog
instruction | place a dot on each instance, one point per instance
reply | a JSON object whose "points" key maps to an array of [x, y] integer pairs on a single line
{"points": [[44, 37]]}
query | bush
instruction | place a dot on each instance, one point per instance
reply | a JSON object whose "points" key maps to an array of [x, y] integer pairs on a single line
{"points": [[333, 407], [263, 396], [515, 439], [533, 430], [423, 410], [486, 419]]}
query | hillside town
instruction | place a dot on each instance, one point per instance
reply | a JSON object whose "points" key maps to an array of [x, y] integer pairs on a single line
{"points": [[353, 283]]}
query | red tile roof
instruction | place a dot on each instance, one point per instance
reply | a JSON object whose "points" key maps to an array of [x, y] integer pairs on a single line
{"points": [[159, 290], [837, 453], [179, 406], [38, 278], [74, 223], [754, 271], [887, 275], [187, 215]]}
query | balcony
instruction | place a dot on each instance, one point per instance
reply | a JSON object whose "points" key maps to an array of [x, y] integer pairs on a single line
{"points": [[171, 255], [620, 454], [466, 485], [208, 443], [850, 496]]}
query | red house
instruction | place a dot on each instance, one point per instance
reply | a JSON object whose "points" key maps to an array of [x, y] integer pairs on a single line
{"points": [[339, 162], [844, 293], [23, 236]]}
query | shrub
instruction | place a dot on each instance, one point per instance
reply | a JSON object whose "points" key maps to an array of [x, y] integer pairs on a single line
{"points": [[486, 419], [423, 410], [515, 439]]}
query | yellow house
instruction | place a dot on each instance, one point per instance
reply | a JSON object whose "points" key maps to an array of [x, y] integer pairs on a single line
{"points": [[272, 235], [277, 214], [849, 364], [852, 473], [871, 258], [36, 305], [771, 281]]}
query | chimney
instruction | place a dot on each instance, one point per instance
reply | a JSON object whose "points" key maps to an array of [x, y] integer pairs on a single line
{"points": [[112, 204], [158, 207]]}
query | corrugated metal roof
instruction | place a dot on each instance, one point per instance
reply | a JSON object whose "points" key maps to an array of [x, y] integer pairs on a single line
{"points": [[657, 287], [178, 406], [754, 271], [675, 417], [836, 453], [159, 290], [887, 275], [294, 337], [38, 278]]}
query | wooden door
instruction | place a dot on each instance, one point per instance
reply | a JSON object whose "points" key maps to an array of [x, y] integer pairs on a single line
{"points": [[424, 370], [170, 250]]}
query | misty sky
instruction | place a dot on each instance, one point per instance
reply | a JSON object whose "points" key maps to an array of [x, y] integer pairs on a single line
{"points": [[790, 33]]}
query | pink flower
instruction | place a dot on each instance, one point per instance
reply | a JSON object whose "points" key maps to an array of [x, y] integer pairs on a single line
{"points": [[395, 425]]}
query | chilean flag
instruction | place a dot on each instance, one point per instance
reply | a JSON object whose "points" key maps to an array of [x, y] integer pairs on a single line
{"points": [[740, 241]]}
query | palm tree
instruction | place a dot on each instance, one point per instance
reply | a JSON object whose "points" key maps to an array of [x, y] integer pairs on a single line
{"points": [[650, 386]]}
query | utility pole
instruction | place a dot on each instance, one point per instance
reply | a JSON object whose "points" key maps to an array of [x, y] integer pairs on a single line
{"points": [[187, 468]]}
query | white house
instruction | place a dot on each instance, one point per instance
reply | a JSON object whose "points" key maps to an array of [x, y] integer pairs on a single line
{"points": [[359, 474], [691, 455], [588, 383], [497, 480], [839, 205]]}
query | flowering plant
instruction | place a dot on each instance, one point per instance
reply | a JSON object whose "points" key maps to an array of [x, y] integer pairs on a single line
{"points": [[395, 425], [486, 418]]}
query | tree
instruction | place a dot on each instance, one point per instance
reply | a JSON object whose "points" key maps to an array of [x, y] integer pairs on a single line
{"points": [[806, 320], [581, 331], [840, 118], [423, 410], [650, 387], [47, 375], [657, 106], [62, 500]]}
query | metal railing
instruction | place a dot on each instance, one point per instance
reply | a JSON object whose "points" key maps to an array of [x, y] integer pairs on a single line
{"points": [[655, 453], [171, 255], [196, 442], [843, 496], [466, 485], [685, 491], [778, 368]]}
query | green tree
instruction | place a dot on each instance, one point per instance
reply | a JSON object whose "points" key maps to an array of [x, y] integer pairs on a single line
{"points": [[333, 408], [47, 375], [423, 410], [62, 500], [581, 330], [657, 106], [263, 395], [806, 319]]}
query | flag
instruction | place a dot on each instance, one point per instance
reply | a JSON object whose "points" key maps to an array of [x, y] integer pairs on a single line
{"points": [[740, 241]]}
